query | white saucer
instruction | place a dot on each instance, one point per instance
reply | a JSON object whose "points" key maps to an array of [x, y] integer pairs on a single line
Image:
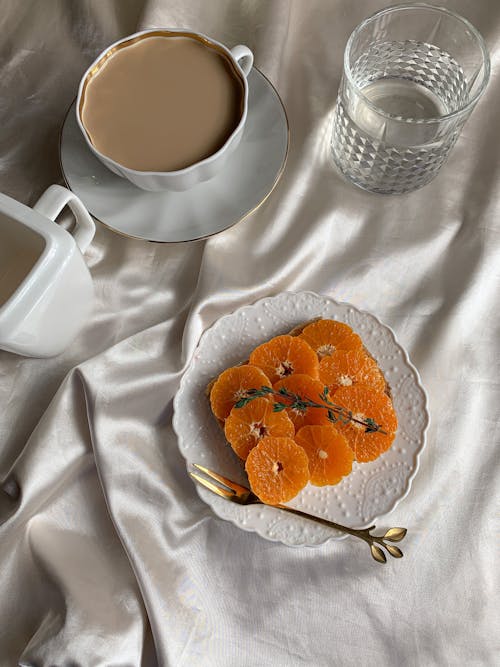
{"points": [[247, 179]]}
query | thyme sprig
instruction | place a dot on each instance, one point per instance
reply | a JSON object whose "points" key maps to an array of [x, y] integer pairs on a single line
{"points": [[295, 402]]}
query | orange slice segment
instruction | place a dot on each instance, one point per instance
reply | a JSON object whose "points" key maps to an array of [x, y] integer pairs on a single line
{"points": [[277, 470], [365, 403], [345, 368], [326, 336], [305, 387], [329, 454], [246, 426], [231, 386], [283, 356]]}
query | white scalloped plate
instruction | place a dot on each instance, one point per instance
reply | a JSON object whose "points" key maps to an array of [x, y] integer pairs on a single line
{"points": [[371, 490]]}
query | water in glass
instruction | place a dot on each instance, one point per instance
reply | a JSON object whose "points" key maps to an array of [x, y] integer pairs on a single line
{"points": [[387, 136]]}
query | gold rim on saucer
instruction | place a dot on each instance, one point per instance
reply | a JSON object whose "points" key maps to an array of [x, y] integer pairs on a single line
{"points": [[198, 238]]}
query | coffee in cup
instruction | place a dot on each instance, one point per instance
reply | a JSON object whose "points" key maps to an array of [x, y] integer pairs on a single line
{"points": [[163, 102]]}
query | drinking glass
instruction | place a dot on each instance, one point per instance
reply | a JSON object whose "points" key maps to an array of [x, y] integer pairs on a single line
{"points": [[412, 75]]}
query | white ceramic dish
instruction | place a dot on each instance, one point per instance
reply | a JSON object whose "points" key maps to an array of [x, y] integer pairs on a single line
{"points": [[371, 490], [249, 176], [241, 58]]}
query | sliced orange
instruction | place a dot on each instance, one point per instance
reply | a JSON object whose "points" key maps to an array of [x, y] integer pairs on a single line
{"points": [[277, 470], [247, 425], [349, 367], [329, 454], [283, 356], [232, 385], [307, 388], [326, 336], [365, 403]]}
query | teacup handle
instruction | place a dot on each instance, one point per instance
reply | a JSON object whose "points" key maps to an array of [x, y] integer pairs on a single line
{"points": [[52, 202], [244, 58]]}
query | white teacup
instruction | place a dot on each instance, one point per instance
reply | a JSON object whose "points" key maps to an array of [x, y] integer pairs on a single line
{"points": [[46, 290], [241, 59]]}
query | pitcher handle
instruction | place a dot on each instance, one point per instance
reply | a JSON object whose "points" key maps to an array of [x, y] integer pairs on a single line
{"points": [[52, 202]]}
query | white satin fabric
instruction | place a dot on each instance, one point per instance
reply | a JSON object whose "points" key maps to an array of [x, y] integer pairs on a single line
{"points": [[107, 555]]}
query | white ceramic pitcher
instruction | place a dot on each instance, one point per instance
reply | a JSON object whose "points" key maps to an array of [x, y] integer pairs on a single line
{"points": [[46, 291]]}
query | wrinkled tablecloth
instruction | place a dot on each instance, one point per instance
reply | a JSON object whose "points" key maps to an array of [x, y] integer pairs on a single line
{"points": [[107, 554]]}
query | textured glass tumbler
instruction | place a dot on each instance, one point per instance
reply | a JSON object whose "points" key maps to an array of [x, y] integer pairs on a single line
{"points": [[412, 75]]}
